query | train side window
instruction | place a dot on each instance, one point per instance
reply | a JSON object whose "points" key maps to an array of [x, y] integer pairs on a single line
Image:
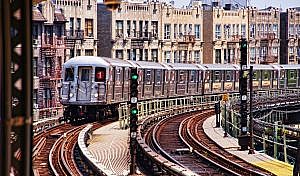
{"points": [[292, 74], [148, 77], [282, 74], [266, 75], [118, 74], [217, 76], [85, 74], [100, 74], [228, 76], [207, 76], [126, 74], [69, 74], [193, 76], [157, 77], [181, 76]]}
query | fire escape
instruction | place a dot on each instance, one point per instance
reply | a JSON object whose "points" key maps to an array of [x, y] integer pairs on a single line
{"points": [[72, 38], [267, 42]]}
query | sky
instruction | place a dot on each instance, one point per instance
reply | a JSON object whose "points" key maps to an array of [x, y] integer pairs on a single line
{"points": [[258, 3]]}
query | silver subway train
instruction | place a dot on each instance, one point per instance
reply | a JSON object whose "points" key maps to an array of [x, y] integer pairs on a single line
{"points": [[93, 87]]}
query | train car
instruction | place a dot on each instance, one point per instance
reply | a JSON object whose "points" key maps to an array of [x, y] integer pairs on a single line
{"points": [[186, 79], [221, 78], [93, 87]]}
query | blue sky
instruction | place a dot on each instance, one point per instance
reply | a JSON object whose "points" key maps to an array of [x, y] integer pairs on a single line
{"points": [[258, 3]]}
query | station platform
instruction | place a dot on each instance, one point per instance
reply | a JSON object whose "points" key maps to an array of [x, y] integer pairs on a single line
{"points": [[110, 146], [231, 145]]}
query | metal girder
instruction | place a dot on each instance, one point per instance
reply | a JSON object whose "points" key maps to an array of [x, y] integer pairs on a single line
{"points": [[16, 87]]}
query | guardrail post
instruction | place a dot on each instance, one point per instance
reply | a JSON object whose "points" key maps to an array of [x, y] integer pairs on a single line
{"points": [[275, 139], [284, 144]]}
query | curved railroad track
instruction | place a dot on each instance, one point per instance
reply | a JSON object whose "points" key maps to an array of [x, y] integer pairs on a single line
{"points": [[175, 138], [53, 152]]}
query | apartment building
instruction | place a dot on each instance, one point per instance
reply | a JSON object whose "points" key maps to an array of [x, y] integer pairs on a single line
{"points": [[224, 27], [290, 36], [81, 28], [48, 56], [264, 35], [151, 31]]}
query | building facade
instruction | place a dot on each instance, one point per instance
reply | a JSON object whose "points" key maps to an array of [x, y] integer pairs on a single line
{"points": [[81, 29], [48, 56], [151, 31], [264, 35], [224, 27], [290, 36]]}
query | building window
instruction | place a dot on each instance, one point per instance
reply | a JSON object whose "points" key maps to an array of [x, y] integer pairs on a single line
{"points": [[34, 66], [134, 28], [227, 30], [78, 52], [35, 97], [252, 54], [154, 25], [197, 31], [218, 56], [146, 54], [78, 24], [47, 66], [154, 53], [291, 50], [89, 52], [128, 54], [133, 54], [175, 31], [275, 29], [176, 58], [243, 31], [47, 97], [71, 26], [35, 31], [252, 30], [218, 31], [167, 56], [140, 54], [119, 54], [291, 30], [128, 28], [197, 57], [167, 31], [89, 27], [119, 29]]}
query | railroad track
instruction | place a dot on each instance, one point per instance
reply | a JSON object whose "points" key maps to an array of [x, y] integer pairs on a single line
{"points": [[176, 137], [192, 133], [53, 152]]}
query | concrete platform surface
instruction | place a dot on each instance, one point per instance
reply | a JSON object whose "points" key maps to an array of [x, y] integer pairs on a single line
{"points": [[231, 145]]}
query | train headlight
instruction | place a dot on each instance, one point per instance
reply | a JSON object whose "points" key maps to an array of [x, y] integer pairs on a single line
{"points": [[71, 94], [96, 95]]}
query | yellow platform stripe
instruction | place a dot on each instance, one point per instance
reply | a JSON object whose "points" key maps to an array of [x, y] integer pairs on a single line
{"points": [[276, 167]]}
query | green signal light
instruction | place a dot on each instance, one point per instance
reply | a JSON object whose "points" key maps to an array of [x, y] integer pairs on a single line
{"points": [[134, 111], [134, 77], [244, 45]]}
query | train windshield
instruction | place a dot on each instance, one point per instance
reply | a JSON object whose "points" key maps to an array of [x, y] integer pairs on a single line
{"points": [[69, 74]]}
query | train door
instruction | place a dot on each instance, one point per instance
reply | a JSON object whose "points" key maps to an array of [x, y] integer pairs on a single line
{"points": [[84, 83]]}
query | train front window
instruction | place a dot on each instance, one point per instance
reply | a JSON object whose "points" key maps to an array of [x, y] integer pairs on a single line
{"points": [[148, 77], [85, 74], [193, 76], [158, 77], [100, 74], [217, 76], [229, 76], [69, 74]]}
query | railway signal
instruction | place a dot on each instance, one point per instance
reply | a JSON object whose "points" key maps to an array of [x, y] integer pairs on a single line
{"points": [[244, 137], [133, 117]]}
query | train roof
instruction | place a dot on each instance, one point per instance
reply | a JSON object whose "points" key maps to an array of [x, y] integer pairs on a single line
{"points": [[86, 61], [183, 66], [289, 67], [220, 66], [263, 67], [151, 65], [117, 62]]}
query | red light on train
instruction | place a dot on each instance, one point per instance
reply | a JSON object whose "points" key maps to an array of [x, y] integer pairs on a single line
{"points": [[100, 74]]}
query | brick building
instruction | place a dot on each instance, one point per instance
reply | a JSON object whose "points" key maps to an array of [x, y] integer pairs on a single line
{"points": [[48, 56], [151, 31], [290, 36], [264, 35]]}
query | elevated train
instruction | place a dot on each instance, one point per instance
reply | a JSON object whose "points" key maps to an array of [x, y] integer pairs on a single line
{"points": [[93, 87]]}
